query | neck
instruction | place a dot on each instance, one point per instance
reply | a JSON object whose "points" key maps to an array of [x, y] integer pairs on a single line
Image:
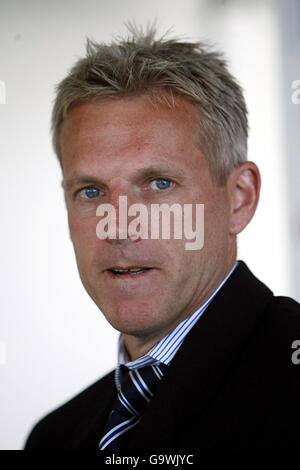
{"points": [[137, 346]]}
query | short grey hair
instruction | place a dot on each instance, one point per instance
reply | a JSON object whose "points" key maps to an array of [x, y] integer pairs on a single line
{"points": [[141, 65]]}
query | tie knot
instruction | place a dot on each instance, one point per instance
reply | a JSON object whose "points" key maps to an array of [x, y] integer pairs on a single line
{"points": [[137, 388]]}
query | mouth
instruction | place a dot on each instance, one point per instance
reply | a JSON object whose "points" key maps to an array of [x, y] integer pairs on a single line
{"points": [[127, 272]]}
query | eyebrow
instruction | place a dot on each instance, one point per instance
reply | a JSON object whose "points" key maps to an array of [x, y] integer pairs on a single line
{"points": [[149, 172], [81, 179]]}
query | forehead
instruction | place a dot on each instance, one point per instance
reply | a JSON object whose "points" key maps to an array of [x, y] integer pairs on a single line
{"points": [[134, 127]]}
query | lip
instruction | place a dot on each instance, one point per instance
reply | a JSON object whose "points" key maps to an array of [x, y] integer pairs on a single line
{"points": [[129, 267], [128, 276]]}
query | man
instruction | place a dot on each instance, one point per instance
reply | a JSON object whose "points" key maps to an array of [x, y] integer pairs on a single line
{"points": [[162, 123]]}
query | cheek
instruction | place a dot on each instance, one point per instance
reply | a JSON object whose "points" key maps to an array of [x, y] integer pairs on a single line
{"points": [[73, 226], [177, 261], [83, 234], [216, 228], [81, 227]]}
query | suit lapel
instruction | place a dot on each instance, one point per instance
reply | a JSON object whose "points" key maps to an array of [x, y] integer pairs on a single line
{"points": [[203, 359], [94, 414]]}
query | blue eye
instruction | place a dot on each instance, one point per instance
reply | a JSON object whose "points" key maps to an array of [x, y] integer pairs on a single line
{"points": [[160, 183], [90, 192]]}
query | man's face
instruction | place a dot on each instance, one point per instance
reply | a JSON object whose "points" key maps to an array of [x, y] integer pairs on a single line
{"points": [[151, 154]]}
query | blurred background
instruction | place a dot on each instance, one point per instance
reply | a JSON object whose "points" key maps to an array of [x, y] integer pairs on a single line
{"points": [[53, 339]]}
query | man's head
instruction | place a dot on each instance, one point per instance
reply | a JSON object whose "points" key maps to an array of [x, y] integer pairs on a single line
{"points": [[157, 122]]}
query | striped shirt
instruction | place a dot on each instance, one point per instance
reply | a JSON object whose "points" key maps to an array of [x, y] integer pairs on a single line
{"points": [[164, 351]]}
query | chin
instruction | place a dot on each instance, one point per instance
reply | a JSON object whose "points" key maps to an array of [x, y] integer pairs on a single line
{"points": [[132, 318]]}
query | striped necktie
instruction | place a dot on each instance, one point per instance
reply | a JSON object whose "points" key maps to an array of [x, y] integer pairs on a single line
{"points": [[137, 389]]}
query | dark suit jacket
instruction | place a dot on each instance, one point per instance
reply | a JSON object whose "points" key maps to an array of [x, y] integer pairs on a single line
{"points": [[232, 384]]}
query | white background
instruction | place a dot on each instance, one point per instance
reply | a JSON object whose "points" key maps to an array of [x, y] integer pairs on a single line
{"points": [[53, 339]]}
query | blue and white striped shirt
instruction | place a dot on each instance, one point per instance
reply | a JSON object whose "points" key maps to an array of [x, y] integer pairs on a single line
{"points": [[164, 351]]}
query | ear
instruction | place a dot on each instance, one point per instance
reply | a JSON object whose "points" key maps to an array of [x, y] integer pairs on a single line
{"points": [[244, 187]]}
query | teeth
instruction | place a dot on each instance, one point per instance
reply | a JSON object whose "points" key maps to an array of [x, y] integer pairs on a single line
{"points": [[133, 270]]}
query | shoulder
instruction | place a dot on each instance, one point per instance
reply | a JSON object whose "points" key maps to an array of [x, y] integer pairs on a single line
{"points": [[277, 314], [273, 342], [59, 428], [286, 304], [280, 326], [283, 316]]}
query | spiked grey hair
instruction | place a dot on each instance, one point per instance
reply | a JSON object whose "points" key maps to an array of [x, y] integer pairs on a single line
{"points": [[164, 68]]}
